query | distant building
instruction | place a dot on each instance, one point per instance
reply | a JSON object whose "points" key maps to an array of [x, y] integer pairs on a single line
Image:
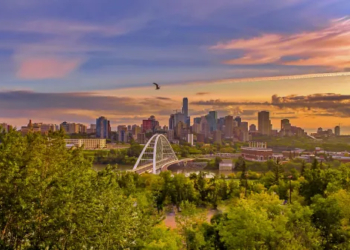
{"points": [[4, 127], [252, 128], [200, 138], [135, 130], [212, 120], [205, 127], [150, 125], [46, 128], [228, 126], [178, 130], [171, 121], [121, 128], [238, 120], [257, 151], [92, 129], [170, 135], [185, 111], [141, 138], [217, 137], [337, 131], [190, 139], [123, 136], [285, 124], [87, 143], [103, 128], [226, 165], [221, 124], [197, 120], [179, 117], [264, 123], [196, 128]]}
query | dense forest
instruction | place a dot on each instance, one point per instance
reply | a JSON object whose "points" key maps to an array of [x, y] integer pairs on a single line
{"points": [[50, 198]]}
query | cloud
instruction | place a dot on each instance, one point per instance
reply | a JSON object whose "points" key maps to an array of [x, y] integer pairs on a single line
{"points": [[19, 106], [46, 68], [328, 47], [317, 104], [164, 98], [202, 93], [73, 28]]}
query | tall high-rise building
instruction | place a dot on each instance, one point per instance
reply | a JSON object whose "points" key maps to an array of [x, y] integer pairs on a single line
{"points": [[205, 128], [244, 126], [170, 135], [252, 128], [123, 135], [171, 121], [141, 138], [337, 131], [185, 106], [221, 124], [264, 124], [102, 127], [197, 120], [212, 120], [217, 136], [238, 120], [150, 125], [229, 126], [285, 124], [179, 117], [196, 128]]}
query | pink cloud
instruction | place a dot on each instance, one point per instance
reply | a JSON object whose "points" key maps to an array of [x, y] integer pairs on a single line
{"points": [[46, 68], [328, 47]]}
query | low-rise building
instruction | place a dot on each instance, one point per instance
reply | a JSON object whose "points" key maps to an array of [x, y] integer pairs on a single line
{"points": [[257, 151], [87, 143], [226, 165]]}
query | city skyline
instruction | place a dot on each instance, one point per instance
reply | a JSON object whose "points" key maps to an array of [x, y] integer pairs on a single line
{"points": [[288, 57]]}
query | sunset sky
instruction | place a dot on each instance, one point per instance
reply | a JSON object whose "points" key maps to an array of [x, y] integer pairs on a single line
{"points": [[75, 60]]}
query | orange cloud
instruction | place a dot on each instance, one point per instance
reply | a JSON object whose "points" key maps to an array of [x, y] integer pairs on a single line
{"points": [[46, 68], [329, 46]]}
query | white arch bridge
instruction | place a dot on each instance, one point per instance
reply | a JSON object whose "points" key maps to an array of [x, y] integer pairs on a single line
{"points": [[156, 156]]}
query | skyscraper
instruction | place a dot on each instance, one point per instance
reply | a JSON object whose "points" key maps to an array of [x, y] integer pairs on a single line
{"points": [[197, 120], [150, 125], [102, 127], [179, 117], [238, 120], [217, 137], [337, 131], [212, 118], [185, 111], [264, 124], [285, 124], [185, 107], [228, 126], [172, 121]]}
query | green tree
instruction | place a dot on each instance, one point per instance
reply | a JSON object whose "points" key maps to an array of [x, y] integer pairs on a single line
{"points": [[189, 222]]}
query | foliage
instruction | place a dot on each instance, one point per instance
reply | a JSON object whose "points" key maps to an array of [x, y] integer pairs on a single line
{"points": [[50, 198]]}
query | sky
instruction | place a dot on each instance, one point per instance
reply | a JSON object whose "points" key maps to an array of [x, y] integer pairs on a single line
{"points": [[76, 60]]}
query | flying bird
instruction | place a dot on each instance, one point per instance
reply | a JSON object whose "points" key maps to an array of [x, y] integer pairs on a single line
{"points": [[157, 86]]}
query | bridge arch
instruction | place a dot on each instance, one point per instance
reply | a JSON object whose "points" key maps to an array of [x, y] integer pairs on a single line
{"points": [[156, 153]]}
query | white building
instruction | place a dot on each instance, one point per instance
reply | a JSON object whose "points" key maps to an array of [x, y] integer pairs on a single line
{"points": [[190, 139], [87, 143]]}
